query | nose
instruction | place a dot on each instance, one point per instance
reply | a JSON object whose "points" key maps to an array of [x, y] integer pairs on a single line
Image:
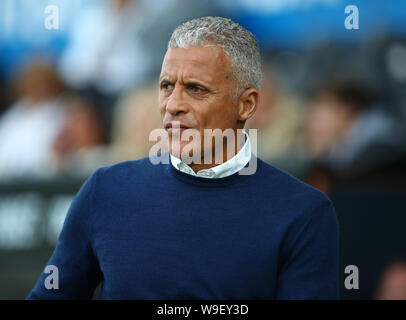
{"points": [[176, 104]]}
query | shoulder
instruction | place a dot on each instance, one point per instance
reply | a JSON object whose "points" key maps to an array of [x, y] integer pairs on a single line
{"points": [[119, 182], [147, 167], [298, 207], [290, 191]]}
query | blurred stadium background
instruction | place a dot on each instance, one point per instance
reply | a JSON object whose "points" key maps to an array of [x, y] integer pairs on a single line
{"points": [[332, 113]]}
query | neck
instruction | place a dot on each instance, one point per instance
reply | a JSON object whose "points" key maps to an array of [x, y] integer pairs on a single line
{"points": [[235, 148]]}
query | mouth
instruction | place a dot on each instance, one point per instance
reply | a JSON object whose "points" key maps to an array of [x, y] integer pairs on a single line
{"points": [[174, 127]]}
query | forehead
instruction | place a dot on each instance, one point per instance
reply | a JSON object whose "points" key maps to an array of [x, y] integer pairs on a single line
{"points": [[196, 62]]}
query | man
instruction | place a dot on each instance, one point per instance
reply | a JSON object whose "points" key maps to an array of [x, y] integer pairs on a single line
{"points": [[199, 231]]}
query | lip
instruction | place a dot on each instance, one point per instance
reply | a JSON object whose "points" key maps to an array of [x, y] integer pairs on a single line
{"points": [[181, 127]]}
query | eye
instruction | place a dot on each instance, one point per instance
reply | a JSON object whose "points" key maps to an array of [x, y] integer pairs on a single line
{"points": [[166, 88], [165, 85], [197, 89]]}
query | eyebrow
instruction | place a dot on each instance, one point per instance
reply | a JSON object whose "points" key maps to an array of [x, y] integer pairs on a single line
{"points": [[189, 83], [195, 84], [162, 77]]}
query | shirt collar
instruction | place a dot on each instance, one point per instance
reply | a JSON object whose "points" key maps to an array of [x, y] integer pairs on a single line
{"points": [[223, 170]]}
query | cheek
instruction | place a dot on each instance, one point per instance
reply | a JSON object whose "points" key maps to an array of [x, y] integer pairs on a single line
{"points": [[224, 114], [162, 107]]}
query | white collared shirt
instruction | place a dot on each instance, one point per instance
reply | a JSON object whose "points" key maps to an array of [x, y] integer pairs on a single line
{"points": [[223, 170]]}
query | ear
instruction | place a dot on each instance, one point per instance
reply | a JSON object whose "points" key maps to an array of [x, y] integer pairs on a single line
{"points": [[247, 104]]}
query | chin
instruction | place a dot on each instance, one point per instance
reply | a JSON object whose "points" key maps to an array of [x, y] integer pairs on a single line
{"points": [[186, 151]]}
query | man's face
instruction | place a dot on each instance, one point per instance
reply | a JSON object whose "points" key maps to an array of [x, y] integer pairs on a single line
{"points": [[197, 89]]}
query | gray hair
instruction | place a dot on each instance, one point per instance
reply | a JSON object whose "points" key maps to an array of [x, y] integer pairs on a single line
{"points": [[237, 43]]}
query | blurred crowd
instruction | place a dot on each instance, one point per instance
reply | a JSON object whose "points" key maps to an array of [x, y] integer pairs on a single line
{"points": [[330, 109]]}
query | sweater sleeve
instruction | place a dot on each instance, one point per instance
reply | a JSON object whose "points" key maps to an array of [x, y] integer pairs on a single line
{"points": [[309, 260], [77, 273]]}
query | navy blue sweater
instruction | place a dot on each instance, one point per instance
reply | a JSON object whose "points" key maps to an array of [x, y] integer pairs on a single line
{"points": [[152, 232]]}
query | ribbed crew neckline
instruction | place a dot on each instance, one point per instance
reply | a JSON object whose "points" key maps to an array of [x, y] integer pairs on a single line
{"points": [[201, 181]]}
